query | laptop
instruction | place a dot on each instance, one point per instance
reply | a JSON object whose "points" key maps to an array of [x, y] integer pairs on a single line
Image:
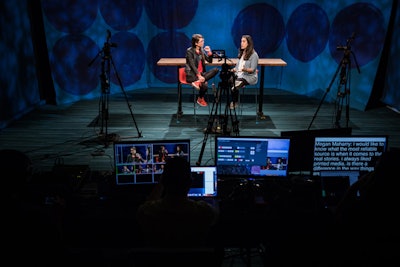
{"points": [[218, 53], [204, 183]]}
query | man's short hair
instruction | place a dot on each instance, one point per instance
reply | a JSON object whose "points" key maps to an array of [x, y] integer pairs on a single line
{"points": [[177, 174]]}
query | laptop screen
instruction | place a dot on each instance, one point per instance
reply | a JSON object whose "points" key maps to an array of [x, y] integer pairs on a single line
{"points": [[204, 182], [218, 53]]}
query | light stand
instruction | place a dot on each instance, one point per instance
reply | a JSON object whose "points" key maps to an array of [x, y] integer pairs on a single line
{"points": [[216, 116], [106, 63], [343, 94]]}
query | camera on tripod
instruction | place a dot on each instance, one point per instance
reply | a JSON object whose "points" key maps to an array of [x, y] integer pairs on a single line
{"points": [[226, 73], [347, 46], [342, 47]]}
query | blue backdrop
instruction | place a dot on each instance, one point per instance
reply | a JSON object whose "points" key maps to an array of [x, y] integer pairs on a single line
{"points": [[136, 34]]}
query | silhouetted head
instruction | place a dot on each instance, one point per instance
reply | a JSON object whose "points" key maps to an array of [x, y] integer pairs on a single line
{"points": [[17, 166], [176, 177], [387, 164]]}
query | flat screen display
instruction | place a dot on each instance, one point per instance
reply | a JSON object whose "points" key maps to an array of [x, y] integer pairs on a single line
{"points": [[204, 182], [351, 156], [142, 161], [251, 157], [302, 146]]}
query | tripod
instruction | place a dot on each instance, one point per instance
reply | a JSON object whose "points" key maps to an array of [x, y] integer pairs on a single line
{"points": [[218, 122], [343, 93], [106, 64]]}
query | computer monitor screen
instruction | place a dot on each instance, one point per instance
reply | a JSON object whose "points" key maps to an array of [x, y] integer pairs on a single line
{"points": [[142, 161], [251, 157], [351, 156], [302, 146], [204, 182], [218, 53]]}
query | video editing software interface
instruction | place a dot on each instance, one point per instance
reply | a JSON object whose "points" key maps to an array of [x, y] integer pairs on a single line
{"points": [[204, 182], [251, 157], [341, 161], [142, 162]]}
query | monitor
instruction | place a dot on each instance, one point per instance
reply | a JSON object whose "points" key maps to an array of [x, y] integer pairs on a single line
{"points": [[142, 161], [347, 156], [218, 53], [302, 146], [251, 157], [204, 182]]}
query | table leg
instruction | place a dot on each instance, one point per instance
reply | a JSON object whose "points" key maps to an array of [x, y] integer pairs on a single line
{"points": [[179, 113], [261, 95]]}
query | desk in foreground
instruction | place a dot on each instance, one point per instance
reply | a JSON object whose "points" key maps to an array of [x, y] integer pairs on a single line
{"points": [[263, 62]]}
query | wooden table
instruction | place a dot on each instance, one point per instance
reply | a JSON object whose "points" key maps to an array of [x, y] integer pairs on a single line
{"points": [[263, 62]]}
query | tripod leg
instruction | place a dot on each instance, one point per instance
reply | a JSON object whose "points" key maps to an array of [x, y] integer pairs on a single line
{"points": [[347, 109], [102, 113], [339, 108], [126, 99], [210, 124], [203, 146]]}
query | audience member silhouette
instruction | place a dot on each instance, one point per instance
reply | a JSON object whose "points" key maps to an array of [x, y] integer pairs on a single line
{"points": [[32, 227], [169, 218], [366, 219]]}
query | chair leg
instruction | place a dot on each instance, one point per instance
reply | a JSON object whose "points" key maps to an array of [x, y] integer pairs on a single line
{"points": [[194, 104]]}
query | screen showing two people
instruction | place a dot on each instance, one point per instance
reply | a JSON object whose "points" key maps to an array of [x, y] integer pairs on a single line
{"points": [[142, 162]]}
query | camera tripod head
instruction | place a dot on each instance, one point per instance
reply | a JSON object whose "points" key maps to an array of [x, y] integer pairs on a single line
{"points": [[348, 44], [225, 73]]}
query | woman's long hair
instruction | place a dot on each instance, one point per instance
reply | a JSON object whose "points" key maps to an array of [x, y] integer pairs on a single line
{"points": [[249, 49]]}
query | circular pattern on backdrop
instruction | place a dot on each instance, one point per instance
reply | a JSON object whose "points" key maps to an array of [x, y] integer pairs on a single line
{"points": [[70, 16], [155, 51], [253, 20], [121, 15], [69, 63], [307, 32], [162, 13], [127, 57], [367, 42]]}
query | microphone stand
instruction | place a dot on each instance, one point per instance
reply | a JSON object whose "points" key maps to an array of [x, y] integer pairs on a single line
{"points": [[106, 64]]}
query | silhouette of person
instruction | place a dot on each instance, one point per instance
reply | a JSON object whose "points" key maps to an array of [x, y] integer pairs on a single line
{"points": [[169, 218], [366, 219], [31, 228]]}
